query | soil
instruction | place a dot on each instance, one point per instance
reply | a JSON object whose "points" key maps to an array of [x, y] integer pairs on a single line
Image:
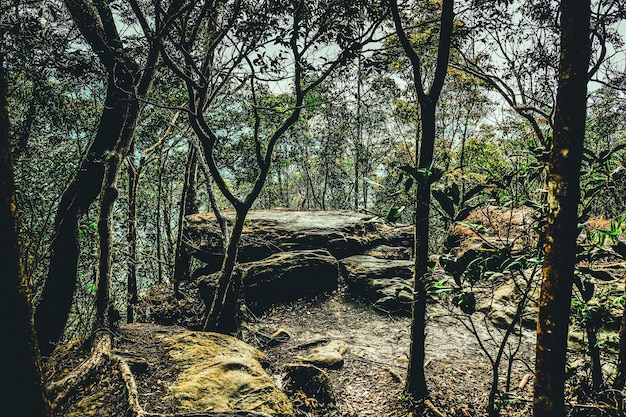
{"points": [[369, 383]]}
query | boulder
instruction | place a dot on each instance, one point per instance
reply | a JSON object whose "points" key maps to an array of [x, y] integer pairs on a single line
{"points": [[222, 374], [267, 232], [388, 284], [282, 277], [390, 252], [501, 306]]}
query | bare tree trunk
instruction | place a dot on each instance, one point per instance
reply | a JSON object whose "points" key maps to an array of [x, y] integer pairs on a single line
{"points": [[563, 200], [222, 316], [131, 287], [188, 205], [416, 379], [21, 359]]}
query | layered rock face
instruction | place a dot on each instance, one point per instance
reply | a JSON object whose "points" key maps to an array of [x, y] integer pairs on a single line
{"points": [[285, 255]]}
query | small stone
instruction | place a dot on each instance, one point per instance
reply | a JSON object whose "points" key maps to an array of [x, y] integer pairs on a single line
{"points": [[328, 356]]}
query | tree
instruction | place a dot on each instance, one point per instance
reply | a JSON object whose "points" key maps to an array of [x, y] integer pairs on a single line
{"points": [[427, 100], [127, 83], [563, 200], [22, 358], [272, 44]]}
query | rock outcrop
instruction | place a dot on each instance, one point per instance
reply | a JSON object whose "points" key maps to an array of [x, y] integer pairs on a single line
{"points": [[282, 277], [267, 232], [285, 255], [388, 283]]}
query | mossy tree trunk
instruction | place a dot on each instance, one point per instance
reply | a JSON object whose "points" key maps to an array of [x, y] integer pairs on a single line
{"points": [[21, 358], [563, 201]]}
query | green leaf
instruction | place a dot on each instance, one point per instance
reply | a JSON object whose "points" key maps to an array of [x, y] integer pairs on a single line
{"points": [[393, 214], [445, 202], [463, 213], [472, 192], [601, 275], [620, 249], [466, 302]]}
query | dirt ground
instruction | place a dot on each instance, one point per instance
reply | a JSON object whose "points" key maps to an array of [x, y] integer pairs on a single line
{"points": [[370, 382]]}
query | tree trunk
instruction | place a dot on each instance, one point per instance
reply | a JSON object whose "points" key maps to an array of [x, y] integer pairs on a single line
{"points": [[416, 379], [188, 205], [21, 358], [228, 292], [597, 380], [563, 200], [58, 291], [131, 287], [620, 380]]}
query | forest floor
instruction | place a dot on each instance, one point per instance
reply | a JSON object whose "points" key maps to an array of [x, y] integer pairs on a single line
{"points": [[369, 383]]}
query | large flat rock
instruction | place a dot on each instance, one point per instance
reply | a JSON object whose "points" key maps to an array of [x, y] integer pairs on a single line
{"points": [[222, 374], [266, 232]]}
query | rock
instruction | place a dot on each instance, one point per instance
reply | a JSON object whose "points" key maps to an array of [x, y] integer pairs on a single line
{"points": [[266, 232], [222, 374], [390, 252], [328, 356], [309, 382], [501, 306], [282, 277], [278, 337], [388, 284], [497, 226]]}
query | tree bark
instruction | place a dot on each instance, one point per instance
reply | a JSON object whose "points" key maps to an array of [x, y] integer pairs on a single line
{"points": [[22, 359], [416, 379], [188, 205], [416, 376], [563, 200], [117, 123], [131, 239]]}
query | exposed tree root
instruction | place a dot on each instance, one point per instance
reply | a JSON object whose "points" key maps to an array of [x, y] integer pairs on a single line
{"points": [[102, 356], [59, 391]]}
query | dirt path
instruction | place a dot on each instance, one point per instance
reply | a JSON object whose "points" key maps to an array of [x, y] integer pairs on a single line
{"points": [[371, 379]]}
